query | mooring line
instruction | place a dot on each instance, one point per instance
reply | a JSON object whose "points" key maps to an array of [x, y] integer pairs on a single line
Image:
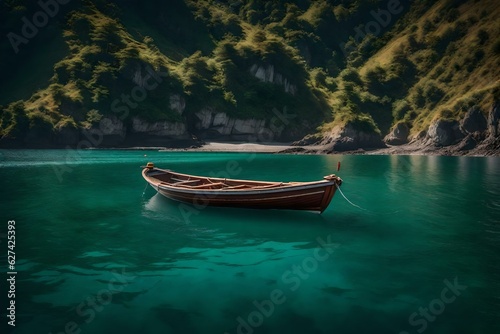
{"points": [[144, 191], [370, 211], [348, 201]]}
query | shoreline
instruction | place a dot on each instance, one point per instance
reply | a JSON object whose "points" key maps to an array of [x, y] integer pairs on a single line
{"points": [[288, 148], [415, 148]]}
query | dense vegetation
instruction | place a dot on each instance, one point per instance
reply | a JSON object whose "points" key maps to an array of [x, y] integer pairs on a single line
{"points": [[368, 62]]}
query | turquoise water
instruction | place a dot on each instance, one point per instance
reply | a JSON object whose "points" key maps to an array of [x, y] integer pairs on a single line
{"points": [[99, 252]]}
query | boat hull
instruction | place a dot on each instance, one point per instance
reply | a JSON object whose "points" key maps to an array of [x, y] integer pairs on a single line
{"points": [[313, 199], [308, 196]]}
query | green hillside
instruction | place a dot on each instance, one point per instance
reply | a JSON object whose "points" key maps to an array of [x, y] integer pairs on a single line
{"points": [[370, 64]]}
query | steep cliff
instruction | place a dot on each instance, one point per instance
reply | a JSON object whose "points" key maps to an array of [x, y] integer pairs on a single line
{"points": [[356, 74]]}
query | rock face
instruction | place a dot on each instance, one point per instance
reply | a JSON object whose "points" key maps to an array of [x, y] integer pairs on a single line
{"points": [[268, 74], [467, 144], [310, 139], [474, 121], [212, 124], [445, 132], [494, 121], [112, 126], [473, 134], [348, 138], [398, 135], [110, 131], [177, 103], [175, 130]]}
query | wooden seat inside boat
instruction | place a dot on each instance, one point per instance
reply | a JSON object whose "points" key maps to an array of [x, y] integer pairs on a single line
{"points": [[187, 182], [240, 186], [268, 186], [209, 185]]}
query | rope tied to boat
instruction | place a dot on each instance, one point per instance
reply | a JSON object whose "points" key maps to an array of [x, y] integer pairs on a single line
{"points": [[359, 207], [144, 191], [348, 201]]}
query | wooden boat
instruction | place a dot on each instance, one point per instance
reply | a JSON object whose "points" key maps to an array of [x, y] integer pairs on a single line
{"points": [[203, 191]]}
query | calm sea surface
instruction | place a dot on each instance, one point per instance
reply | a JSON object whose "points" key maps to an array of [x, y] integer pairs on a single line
{"points": [[99, 252]]}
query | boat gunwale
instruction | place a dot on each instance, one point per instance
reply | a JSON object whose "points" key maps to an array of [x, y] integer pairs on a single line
{"points": [[282, 187]]}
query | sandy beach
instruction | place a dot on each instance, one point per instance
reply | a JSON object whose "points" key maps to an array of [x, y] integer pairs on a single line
{"points": [[243, 147], [288, 148]]}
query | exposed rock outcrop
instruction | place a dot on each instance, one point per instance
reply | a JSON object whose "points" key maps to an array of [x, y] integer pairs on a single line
{"points": [[444, 132], [468, 143], [205, 118], [177, 103], [472, 135], [474, 121], [248, 126], [310, 139], [348, 138], [494, 120], [110, 131], [212, 124], [268, 74], [398, 135], [111, 126], [162, 128]]}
